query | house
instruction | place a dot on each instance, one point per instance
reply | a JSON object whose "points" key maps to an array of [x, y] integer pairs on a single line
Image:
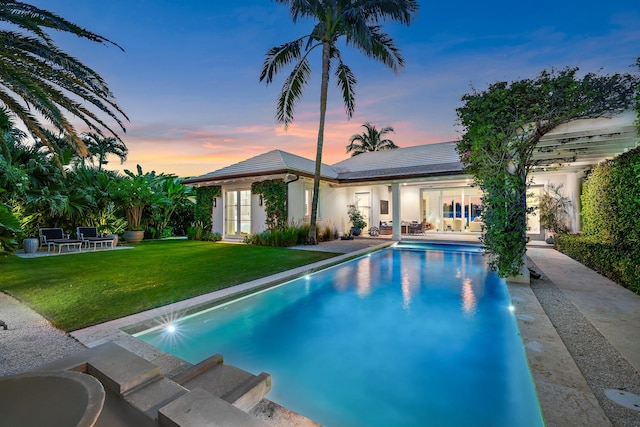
{"points": [[424, 183]]}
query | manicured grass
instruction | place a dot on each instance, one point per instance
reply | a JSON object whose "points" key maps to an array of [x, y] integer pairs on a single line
{"points": [[75, 291]]}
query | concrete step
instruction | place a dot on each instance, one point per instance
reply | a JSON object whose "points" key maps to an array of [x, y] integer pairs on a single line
{"points": [[201, 408], [236, 386]]}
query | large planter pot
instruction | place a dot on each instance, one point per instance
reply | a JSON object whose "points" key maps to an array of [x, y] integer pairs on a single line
{"points": [[115, 239], [355, 231], [30, 245], [133, 236]]}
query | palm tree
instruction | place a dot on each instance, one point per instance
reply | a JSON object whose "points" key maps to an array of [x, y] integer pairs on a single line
{"points": [[358, 21], [371, 140], [48, 80], [101, 147]]}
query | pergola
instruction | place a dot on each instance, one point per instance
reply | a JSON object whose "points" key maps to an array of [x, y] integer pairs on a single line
{"points": [[584, 143]]}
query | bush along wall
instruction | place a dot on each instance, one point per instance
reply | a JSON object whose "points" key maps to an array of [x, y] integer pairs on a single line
{"points": [[274, 194], [202, 216], [610, 243]]}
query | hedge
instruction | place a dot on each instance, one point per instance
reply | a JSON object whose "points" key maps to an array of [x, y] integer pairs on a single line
{"points": [[610, 243], [621, 266], [611, 201]]}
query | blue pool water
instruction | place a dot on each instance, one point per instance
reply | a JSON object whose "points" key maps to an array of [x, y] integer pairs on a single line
{"points": [[403, 337]]}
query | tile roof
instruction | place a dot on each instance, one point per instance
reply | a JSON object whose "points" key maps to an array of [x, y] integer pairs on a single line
{"points": [[273, 162], [420, 160]]}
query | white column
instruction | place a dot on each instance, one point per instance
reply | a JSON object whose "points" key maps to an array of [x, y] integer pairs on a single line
{"points": [[395, 208], [573, 192]]}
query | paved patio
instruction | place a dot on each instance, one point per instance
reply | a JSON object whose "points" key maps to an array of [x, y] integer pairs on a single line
{"points": [[580, 331]]}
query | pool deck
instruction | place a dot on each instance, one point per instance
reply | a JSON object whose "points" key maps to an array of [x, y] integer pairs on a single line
{"points": [[580, 331]]}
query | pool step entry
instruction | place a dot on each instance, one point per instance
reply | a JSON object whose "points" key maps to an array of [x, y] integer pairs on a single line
{"points": [[238, 387], [211, 393]]}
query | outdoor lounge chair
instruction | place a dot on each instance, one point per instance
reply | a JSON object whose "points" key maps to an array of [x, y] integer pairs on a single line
{"points": [[57, 237], [90, 236]]}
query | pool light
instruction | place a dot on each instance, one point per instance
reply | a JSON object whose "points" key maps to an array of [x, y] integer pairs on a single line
{"points": [[512, 308], [171, 328]]}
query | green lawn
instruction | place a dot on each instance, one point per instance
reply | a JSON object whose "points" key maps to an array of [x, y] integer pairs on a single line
{"points": [[75, 291]]}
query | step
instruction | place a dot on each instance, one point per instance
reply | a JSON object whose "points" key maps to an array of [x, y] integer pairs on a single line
{"points": [[121, 370], [201, 408], [227, 382]]}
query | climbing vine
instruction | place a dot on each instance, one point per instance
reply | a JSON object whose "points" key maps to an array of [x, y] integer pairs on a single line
{"points": [[503, 125], [204, 205], [274, 193]]}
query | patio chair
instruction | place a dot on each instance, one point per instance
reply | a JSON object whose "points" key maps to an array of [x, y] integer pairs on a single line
{"points": [[458, 224], [56, 237], [90, 236], [416, 228]]}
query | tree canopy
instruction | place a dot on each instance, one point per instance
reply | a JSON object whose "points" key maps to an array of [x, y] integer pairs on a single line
{"points": [[355, 21], [502, 126], [36, 75], [371, 139]]}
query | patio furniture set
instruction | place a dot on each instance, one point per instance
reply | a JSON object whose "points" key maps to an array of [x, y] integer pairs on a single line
{"points": [[86, 237]]}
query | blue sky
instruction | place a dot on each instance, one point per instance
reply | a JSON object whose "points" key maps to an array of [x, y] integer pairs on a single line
{"points": [[189, 76]]}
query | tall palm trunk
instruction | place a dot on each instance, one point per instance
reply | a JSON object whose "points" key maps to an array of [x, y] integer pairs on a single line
{"points": [[324, 89]]}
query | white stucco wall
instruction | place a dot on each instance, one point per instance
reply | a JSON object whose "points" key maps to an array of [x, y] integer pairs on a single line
{"points": [[258, 215], [217, 216], [410, 204]]}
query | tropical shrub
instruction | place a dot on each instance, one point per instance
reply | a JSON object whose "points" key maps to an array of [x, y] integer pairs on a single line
{"points": [[9, 229], [554, 209], [132, 193], [356, 218], [291, 235], [198, 231]]}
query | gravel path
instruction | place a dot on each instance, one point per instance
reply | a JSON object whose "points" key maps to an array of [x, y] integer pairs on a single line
{"points": [[29, 340]]}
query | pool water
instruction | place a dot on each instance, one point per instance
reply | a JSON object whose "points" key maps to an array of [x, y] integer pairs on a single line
{"points": [[402, 337]]}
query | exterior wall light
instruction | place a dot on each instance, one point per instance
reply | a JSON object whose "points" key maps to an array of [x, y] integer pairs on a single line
{"points": [[215, 203], [260, 200]]}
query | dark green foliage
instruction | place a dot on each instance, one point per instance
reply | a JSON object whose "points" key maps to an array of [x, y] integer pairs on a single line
{"points": [[197, 231], [9, 230], [610, 243], [274, 193], [502, 128], [290, 236], [621, 266], [371, 140], [50, 83], [611, 202], [204, 205]]}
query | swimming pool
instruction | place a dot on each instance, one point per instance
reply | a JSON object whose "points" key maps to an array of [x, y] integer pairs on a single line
{"points": [[407, 336]]}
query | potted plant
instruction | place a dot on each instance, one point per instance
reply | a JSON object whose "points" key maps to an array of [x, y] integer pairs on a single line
{"points": [[132, 194], [356, 219], [554, 211]]}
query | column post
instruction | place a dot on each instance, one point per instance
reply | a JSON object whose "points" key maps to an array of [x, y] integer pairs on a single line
{"points": [[395, 205]]}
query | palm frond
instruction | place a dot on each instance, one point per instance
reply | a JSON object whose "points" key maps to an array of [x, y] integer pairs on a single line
{"points": [[292, 91], [279, 57], [346, 81], [33, 19]]}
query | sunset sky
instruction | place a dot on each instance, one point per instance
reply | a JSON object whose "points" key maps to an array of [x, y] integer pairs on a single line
{"points": [[189, 76]]}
